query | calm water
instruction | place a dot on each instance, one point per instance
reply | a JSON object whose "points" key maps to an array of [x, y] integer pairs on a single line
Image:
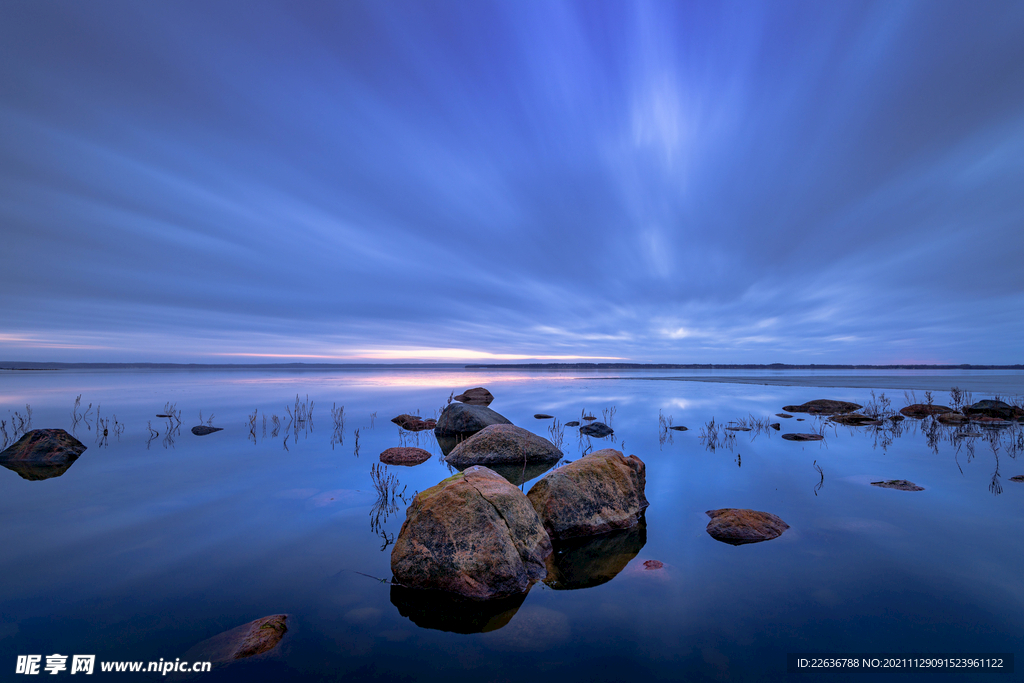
{"points": [[150, 544]]}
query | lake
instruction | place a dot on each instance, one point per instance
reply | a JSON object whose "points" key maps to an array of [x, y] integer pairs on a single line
{"points": [[155, 539]]}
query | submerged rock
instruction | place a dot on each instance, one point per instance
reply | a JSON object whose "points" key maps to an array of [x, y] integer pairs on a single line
{"points": [[448, 612], [739, 526], [598, 430], [593, 560], [461, 419], [503, 444], [203, 430], [248, 640], [802, 437], [919, 411], [44, 447], [478, 396], [653, 564], [953, 418], [473, 534], [855, 420], [991, 408], [598, 493], [898, 484], [404, 455], [414, 423], [823, 406]]}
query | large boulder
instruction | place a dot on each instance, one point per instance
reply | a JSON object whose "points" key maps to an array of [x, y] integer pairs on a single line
{"points": [[823, 406], [461, 419], [598, 493], [503, 444], [44, 447], [597, 430], [991, 408], [477, 396], [739, 526], [414, 423], [919, 411], [473, 534]]}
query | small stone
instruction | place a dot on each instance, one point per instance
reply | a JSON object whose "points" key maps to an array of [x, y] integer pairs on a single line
{"points": [[203, 430], [783, 415], [414, 423], [919, 411], [898, 484], [1019, 478], [679, 428], [823, 406], [776, 426], [953, 418], [574, 423], [542, 416], [653, 564], [478, 396], [404, 455], [855, 420], [598, 430], [802, 437], [740, 526]]}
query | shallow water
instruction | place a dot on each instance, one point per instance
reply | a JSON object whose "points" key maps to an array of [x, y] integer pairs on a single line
{"points": [[146, 546]]}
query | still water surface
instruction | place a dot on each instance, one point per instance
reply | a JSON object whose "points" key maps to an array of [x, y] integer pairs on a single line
{"points": [[155, 539]]}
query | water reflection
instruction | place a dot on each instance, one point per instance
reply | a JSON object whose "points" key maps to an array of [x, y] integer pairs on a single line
{"points": [[34, 471], [447, 612], [587, 562], [518, 474]]}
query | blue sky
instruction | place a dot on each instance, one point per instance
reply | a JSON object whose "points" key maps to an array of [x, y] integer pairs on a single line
{"points": [[670, 182]]}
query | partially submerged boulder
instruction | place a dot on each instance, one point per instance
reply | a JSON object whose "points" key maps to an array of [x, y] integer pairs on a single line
{"points": [[503, 444], [823, 406], [477, 396], [919, 411], [598, 430], [473, 534], [952, 418], [740, 526], [803, 437], [991, 408], [203, 430], [414, 423], [855, 420], [898, 484], [404, 455], [598, 493], [44, 447], [461, 419], [248, 640]]}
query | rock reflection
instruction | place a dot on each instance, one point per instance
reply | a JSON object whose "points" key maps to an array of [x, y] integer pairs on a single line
{"points": [[447, 612], [517, 474], [38, 471], [593, 560]]}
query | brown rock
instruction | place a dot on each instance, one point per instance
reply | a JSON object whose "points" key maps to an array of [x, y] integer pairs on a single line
{"points": [[248, 640], [596, 494], [404, 455], [802, 437], [478, 396], [462, 420], [898, 484], [823, 406], [473, 534], [855, 420], [502, 444], [414, 423], [44, 447], [739, 526], [953, 418], [919, 411]]}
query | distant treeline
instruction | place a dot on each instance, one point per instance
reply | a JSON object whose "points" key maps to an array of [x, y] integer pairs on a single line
{"points": [[732, 366], [15, 365]]}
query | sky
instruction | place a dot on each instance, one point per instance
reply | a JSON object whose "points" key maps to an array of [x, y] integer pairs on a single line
{"points": [[681, 182]]}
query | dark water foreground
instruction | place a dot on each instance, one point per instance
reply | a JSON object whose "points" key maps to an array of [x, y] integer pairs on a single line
{"points": [[155, 540]]}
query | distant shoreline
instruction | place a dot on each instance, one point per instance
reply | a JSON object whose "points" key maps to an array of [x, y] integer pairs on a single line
{"points": [[721, 366]]}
